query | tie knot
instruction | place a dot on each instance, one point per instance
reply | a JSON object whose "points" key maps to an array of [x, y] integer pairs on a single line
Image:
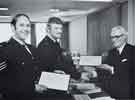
{"points": [[24, 45]]}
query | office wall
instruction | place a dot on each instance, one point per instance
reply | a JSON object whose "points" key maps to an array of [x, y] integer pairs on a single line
{"points": [[131, 21], [65, 36], [99, 26], [5, 32], [40, 32], [78, 35], [33, 35], [124, 15], [108, 19], [93, 34]]}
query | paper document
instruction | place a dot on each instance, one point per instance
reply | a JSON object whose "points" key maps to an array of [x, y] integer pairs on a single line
{"points": [[81, 97], [90, 60], [104, 98], [55, 81], [85, 86]]}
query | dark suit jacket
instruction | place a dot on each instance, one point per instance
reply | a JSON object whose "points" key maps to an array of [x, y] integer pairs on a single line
{"points": [[20, 74], [120, 84], [51, 58]]}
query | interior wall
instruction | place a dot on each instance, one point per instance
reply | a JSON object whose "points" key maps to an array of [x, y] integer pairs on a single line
{"points": [[108, 19], [93, 37], [33, 35], [65, 36], [5, 32], [99, 27], [124, 15], [131, 21], [40, 32], [78, 35]]}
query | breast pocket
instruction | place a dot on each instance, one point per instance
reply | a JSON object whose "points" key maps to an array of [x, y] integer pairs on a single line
{"points": [[20, 63]]}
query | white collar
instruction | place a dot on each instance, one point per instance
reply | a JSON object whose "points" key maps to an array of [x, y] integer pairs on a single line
{"points": [[19, 41], [121, 48]]}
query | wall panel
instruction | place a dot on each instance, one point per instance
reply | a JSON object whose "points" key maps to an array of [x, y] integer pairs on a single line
{"points": [[99, 27]]}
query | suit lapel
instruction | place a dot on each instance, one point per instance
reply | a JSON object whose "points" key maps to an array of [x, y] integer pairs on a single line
{"points": [[124, 51], [124, 55]]}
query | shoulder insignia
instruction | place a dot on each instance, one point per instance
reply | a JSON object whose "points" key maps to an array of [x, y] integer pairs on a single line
{"points": [[3, 65]]}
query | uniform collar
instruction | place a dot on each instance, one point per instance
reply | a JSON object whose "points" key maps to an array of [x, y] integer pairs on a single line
{"points": [[51, 38], [19, 41]]}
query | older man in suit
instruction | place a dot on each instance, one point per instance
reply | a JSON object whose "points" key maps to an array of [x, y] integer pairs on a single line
{"points": [[121, 65]]}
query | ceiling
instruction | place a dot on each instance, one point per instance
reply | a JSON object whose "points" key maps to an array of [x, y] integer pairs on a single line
{"points": [[39, 10]]}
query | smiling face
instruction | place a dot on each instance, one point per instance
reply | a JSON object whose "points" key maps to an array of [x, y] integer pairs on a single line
{"points": [[55, 30], [22, 28]]}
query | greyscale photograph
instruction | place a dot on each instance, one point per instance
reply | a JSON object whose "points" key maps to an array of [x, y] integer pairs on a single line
{"points": [[67, 50]]}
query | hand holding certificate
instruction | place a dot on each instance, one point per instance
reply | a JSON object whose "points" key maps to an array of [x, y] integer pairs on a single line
{"points": [[55, 81]]}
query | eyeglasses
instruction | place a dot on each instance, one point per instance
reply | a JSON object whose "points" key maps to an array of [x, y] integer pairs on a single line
{"points": [[117, 36]]}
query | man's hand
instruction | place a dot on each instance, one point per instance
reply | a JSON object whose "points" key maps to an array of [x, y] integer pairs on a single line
{"points": [[107, 67], [87, 75], [40, 88], [93, 74], [59, 72]]}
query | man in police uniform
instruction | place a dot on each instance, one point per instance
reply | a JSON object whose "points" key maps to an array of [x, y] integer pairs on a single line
{"points": [[51, 56], [55, 59], [51, 52], [18, 61]]}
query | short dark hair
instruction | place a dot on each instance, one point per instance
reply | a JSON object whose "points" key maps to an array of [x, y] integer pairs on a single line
{"points": [[55, 20], [15, 18]]}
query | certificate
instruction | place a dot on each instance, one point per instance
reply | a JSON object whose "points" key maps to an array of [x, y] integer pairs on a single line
{"points": [[55, 81], [90, 60]]}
